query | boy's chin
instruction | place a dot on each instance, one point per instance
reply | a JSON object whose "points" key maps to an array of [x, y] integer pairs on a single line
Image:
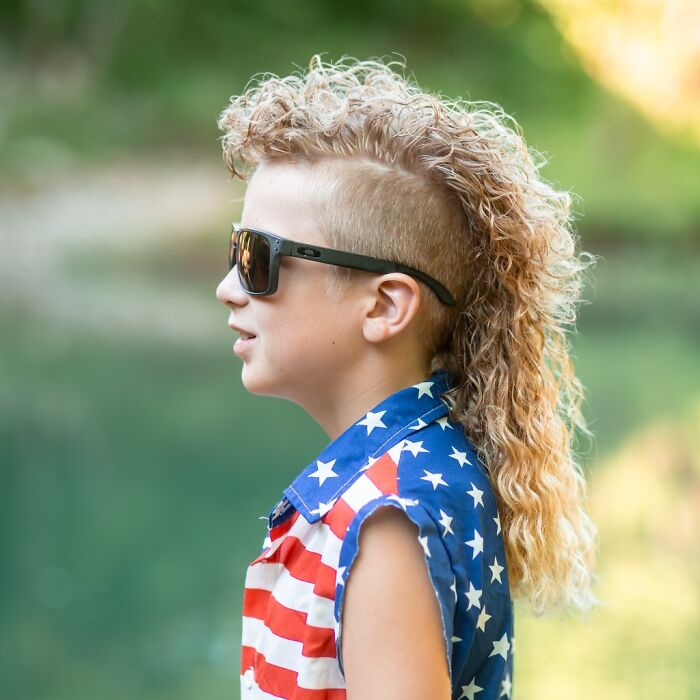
{"points": [[249, 380], [255, 384]]}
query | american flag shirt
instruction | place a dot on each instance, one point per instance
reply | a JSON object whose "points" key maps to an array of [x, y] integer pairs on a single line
{"points": [[404, 453]]}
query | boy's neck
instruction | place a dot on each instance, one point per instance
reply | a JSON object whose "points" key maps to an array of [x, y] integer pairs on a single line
{"points": [[355, 397]]}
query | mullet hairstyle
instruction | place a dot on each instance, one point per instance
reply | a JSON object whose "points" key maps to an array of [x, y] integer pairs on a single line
{"points": [[450, 187]]}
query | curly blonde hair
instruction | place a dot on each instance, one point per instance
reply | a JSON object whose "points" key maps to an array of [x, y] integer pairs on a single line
{"points": [[451, 188]]}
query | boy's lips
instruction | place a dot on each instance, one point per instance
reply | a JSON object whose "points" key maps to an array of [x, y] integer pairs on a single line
{"points": [[246, 335], [244, 341], [242, 344]]}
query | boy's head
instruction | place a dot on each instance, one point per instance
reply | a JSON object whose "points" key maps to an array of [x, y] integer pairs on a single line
{"points": [[366, 328], [346, 157]]}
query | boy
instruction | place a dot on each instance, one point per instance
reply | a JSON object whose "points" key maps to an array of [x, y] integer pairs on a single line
{"points": [[384, 573], [340, 363]]}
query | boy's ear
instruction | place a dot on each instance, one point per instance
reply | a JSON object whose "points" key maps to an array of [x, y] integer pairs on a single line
{"points": [[394, 302]]}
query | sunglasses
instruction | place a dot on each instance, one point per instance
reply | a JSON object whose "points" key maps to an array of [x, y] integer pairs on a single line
{"points": [[257, 255]]}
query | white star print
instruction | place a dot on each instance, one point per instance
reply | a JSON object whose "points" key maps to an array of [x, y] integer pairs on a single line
{"points": [[477, 543], [483, 617], [445, 521], [341, 575], [501, 647], [414, 447], [324, 470], [453, 587], [505, 686], [456, 639], [461, 457], [473, 594], [468, 691], [497, 520], [370, 462], [444, 422], [496, 569], [424, 389], [424, 543], [372, 420], [434, 479], [420, 424], [476, 494], [323, 508]]}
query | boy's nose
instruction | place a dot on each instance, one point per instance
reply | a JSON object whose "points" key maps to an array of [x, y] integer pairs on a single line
{"points": [[229, 290]]}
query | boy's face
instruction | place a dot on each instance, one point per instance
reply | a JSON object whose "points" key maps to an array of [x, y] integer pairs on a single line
{"points": [[304, 341]]}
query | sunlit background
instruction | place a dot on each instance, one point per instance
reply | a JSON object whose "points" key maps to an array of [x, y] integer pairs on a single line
{"points": [[135, 467]]}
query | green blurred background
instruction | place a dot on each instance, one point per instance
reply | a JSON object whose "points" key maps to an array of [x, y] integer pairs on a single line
{"points": [[132, 486]]}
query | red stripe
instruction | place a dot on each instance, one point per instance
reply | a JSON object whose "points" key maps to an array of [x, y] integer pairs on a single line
{"points": [[383, 474], [305, 565], [324, 585], [289, 624], [282, 682], [280, 529], [339, 517], [275, 533], [247, 657]]}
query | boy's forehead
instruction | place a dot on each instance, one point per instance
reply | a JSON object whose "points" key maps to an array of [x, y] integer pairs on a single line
{"points": [[278, 199]]}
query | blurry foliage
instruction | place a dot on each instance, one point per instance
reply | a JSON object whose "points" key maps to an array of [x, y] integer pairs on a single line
{"points": [[643, 642], [648, 52], [97, 80]]}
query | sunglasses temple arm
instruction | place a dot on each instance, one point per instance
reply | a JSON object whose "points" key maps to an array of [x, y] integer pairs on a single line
{"points": [[369, 264]]}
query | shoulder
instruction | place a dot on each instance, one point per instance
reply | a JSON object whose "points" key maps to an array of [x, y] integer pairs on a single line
{"points": [[388, 542], [396, 547], [392, 636]]}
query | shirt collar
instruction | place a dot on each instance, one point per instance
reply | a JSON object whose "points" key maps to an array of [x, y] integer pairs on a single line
{"points": [[397, 416]]}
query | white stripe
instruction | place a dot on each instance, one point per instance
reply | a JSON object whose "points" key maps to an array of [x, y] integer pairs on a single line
{"points": [[316, 537], [292, 593], [255, 692], [361, 492], [313, 673], [331, 554], [320, 539], [397, 450]]}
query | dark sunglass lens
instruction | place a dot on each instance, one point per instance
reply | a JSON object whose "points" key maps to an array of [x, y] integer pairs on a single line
{"points": [[253, 261]]}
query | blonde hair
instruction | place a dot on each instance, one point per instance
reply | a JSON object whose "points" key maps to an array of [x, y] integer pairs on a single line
{"points": [[449, 187]]}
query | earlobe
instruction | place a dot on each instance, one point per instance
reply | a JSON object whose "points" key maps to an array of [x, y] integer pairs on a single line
{"points": [[375, 330]]}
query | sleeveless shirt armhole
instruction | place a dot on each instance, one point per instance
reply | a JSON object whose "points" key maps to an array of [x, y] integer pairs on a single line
{"points": [[435, 555]]}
